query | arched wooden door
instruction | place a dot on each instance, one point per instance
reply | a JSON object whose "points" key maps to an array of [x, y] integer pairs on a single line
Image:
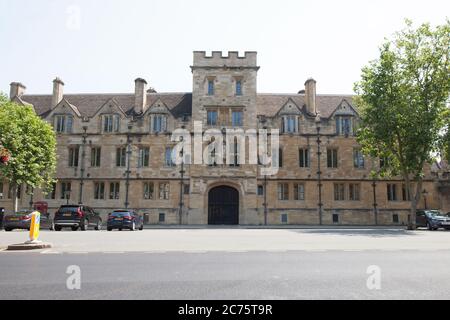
{"points": [[223, 206]]}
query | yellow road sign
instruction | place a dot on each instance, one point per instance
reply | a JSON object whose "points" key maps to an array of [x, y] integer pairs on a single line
{"points": [[35, 225]]}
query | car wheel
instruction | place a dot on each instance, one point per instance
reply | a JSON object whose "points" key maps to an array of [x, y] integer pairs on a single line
{"points": [[98, 227], [8, 229], [120, 229], [133, 226], [58, 228], [85, 225], [109, 229], [141, 228], [74, 228], [429, 227]]}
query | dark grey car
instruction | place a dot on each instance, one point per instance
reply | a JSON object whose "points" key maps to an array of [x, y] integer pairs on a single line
{"points": [[22, 220], [432, 219], [125, 219]]}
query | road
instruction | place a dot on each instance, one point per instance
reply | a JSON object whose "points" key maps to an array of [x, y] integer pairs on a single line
{"points": [[231, 264]]}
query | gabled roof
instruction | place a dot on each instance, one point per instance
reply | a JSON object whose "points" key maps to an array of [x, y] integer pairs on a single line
{"points": [[180, 104], [88, 104], [270, 104]]}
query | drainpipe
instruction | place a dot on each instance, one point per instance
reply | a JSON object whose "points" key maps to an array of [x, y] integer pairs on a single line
{"points": [[265, 200], [319, 172], [375, 204], [181, 188], [127, 183]]}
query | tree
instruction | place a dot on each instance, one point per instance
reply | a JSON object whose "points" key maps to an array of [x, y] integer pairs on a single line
{"points": [[402, 97], [31, 143]]}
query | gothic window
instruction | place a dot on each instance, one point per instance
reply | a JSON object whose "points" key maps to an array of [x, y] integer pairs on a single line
{"points": [[332, 158], [358, 159], [354, 191], [304, 158], [144, 157], [339, 192], [283, 191], [212, 118], [148, 190], [99, 190], [344, 125], [239, 87], [121, 156], [96, 153], [237, 118], [299, 192], [210, 87], [289, 124], [73, 156]]}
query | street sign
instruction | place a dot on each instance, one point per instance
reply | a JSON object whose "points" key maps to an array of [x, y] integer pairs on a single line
{"points": [[35, 226]]}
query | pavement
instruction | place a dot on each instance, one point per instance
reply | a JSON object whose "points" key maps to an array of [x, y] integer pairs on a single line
{"points": [[230, 264]]}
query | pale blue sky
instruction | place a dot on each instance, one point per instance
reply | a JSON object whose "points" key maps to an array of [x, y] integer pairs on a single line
{"points": [[117, 41]]}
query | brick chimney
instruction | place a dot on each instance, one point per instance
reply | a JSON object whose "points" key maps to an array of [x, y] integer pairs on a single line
{"points": [[16, 90], [140, 95], [58, 91], [310, 95]]}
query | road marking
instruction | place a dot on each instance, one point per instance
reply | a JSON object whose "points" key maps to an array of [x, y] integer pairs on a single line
{"points": [[113, 252], [78, 252], [49, 251]]}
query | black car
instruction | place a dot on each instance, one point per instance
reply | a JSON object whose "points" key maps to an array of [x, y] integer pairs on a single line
{"points": [[77, 217], [432, 219], [125, 219]]}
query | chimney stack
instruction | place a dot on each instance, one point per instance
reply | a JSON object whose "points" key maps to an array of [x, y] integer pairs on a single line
{"points": [[16, 90], [140, 95], [310, 95], [58, 91]]}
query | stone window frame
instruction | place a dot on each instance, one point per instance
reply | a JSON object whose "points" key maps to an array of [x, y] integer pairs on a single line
{"points": [[260, 187], [162, 126], [212, 110], [67, 123], [73, 158], [113, 125], [51, 195], [99, 190], [114, 190], [64, 187], [340, 125], [121, 157], [148, 187], [339, 191], [283, 191], [143, 157], [96, 156], [359, 162], [164, 190], [354, 192], [334, 159], [304, 159], [299, 191], [286, 124], [392, 194], [210, 86]]}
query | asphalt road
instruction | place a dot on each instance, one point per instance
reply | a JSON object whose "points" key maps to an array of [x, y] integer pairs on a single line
{"points": [[220, 275], [230, 264]]}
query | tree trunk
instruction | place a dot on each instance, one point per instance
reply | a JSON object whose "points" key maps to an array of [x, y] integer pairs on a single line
{"points": [[415, 198], [14, 198]]}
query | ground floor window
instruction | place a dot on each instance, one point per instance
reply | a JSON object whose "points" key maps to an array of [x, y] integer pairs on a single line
{"points": [[148, 190]]}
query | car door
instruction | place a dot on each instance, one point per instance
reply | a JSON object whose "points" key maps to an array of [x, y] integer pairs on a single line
{"points": [[421, 219]]}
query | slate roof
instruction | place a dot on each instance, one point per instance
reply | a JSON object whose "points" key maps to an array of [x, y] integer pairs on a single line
{"points": [[180, 104]]}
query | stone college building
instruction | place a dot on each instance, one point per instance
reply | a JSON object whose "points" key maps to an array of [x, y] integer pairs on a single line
{"points": [[114, 151]]}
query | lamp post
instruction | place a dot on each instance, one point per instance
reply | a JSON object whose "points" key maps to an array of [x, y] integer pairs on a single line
{"points": [[425, 193], [67, 196], [319, 170], [127, 183], [181, 187], [82, 170]]}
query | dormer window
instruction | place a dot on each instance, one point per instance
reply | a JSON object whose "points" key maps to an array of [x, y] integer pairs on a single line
{"points": [[289, 124], [159, 123], [111, 123], [63, 123], [344, 125]]}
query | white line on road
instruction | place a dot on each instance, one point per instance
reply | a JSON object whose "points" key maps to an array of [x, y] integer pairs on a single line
{"points": [[49, 251]]}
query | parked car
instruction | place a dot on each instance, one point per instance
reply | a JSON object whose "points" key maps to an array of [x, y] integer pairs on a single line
{"points": [[77, 217], [432, 219], [125, 219], [22, 220]]}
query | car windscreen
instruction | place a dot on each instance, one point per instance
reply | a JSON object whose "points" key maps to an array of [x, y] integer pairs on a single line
{"points": [[120, 214], [433, 213]]}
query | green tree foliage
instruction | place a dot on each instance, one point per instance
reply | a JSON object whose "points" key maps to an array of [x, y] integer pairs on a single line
{"points": [[32, 144], [402, 97]]}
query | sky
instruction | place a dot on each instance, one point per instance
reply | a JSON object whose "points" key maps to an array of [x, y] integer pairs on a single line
{"points": [[101, 46]]}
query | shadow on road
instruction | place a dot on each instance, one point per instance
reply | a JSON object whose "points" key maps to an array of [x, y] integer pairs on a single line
{"points": [[374, 233]]}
